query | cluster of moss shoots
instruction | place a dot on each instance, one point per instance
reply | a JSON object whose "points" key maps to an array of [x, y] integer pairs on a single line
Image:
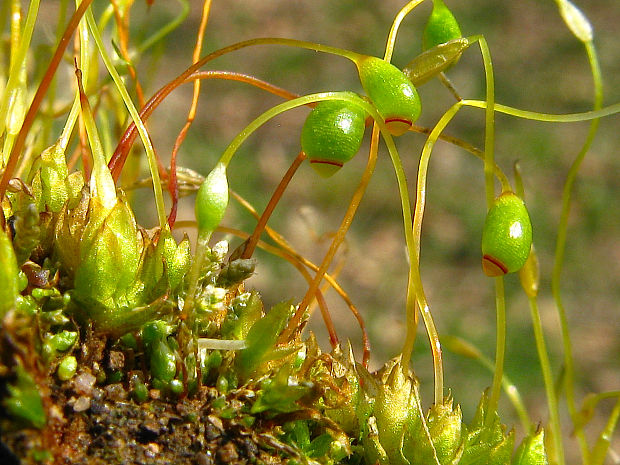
{"points": [[74, 264]]}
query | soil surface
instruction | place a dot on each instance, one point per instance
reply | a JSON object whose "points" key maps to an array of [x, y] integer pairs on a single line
{"points": [[107, 427]]}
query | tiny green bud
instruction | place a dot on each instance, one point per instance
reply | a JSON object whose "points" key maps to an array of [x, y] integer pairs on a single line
{"points": [[176, 386], [140, 392], [154, 331], [212, 200], [332, 134], [441, 26], [236, 271], [507, 236], [163, 361], [177, 257], [67, 368], [222, 384], [394, 96]]}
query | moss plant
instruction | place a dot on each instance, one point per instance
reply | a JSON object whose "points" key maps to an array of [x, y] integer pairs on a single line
{"points": [[124, 342]]}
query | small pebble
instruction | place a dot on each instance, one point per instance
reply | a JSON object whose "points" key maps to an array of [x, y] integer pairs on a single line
{"points": [[115, 392], [151, 450], [83, 383], [116, 360], [215, 421], [227, 453], [202, 458], [81, 404]]}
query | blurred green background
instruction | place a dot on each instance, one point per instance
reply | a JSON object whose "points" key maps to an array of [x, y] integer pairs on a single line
{"points": [[538, 66]]}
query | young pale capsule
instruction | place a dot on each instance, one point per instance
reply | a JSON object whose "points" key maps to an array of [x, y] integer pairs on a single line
{"points": [[332, 134], [507, 236], [441, 26], [212, 200], [430, 63], [391, 92]]}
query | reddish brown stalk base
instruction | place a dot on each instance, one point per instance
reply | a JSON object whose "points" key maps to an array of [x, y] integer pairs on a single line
{"points": [[250, 246]]}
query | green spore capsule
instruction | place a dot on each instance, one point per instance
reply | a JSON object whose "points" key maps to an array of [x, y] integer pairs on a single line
{"points": [[391, 92], [441, 27], [212, 200], [507, 236], [332, 135]]}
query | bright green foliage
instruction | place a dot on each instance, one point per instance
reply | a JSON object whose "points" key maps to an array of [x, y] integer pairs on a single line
{"points": [[162, 357], [486, 441], [323, 447], [332, 134], [52, 184], [110, 250], [507, 236], [348, 406], [399, 433], [441, 26], [120, 273], [396, 408], [9, 290], [58, 342], [24, 401], [445, 428], [280, 393], [246, 310], [26, 226], [164, 264], [532, 450], [392, 93], [175, 258], [261, 340], [212, 200]]}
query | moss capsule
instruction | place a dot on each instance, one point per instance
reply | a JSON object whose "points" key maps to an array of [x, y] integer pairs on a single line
{"points": [[391, 92], [212, 200], [441, 26], [332, 135], [435, 60], [507, 236]]}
